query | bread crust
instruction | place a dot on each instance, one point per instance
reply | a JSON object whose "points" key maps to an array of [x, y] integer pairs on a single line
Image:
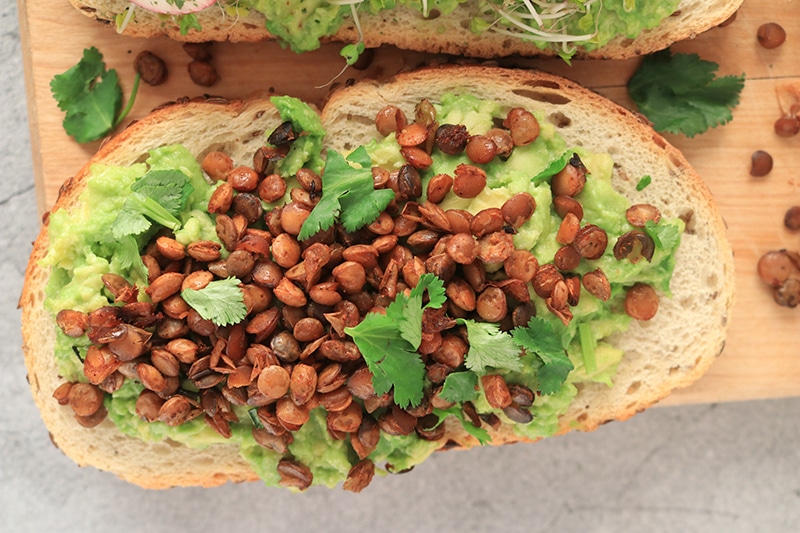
{"points": [[446, 34], [668, 352]]}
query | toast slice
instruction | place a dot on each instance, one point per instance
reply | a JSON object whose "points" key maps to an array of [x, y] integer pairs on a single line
{"points": [[679, 344], [670, 351], [448, 33]]}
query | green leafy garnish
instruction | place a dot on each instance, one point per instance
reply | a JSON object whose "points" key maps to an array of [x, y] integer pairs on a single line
{"points": [[188, 22], [681, 94], [389, 342], [541, 339], [352, 52], [664, 235], [91, 97], [221, 302], [128, 256], [158, 196], [554, 167], [479, 433], [460, 387], [490, 347], [348, 193], [644, 182], [410, 322]]}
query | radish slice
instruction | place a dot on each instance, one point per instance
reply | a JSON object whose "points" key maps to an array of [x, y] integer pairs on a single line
{"points": [[170, 7]]}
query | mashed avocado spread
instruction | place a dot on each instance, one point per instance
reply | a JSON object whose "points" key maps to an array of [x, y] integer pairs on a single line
{"points": [[587, 25], [87, 242]]}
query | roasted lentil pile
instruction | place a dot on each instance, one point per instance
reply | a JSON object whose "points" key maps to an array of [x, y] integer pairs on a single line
{"points": [[291, 354]]}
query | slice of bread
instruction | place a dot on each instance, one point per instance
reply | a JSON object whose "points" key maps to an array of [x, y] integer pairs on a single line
{"points": [[406, 28], [677, 346], [670, 351]]}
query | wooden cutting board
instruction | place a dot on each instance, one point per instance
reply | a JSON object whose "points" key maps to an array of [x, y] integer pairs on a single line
{"points": [[762, 355]]}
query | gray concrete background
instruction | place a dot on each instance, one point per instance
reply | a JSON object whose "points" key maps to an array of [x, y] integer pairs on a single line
{"points": [[707, 468]]}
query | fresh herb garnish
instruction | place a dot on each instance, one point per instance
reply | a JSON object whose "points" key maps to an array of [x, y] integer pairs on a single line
{"points": [[158, 196], [221, 302], [188, 22], [389, 342], [460, 387], [348, 193], [664, 235], [681, 94], [554, 167], [539, 338], [644, 182], [91, 97], [490, 347]]}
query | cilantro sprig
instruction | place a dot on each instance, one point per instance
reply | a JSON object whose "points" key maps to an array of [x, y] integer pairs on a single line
{"points": [[389, 342], [91, 96], [491, 347], [188, 22], [221, 302], [664, 235], [680, 93], [348, 194], [542, 340], [460, 387], [158, 196]]}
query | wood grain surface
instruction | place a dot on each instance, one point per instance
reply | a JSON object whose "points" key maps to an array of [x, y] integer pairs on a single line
{"points": [[762, 354]]}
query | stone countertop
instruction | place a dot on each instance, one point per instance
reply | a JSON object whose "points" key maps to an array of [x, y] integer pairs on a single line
{"points": [[722, 467]]}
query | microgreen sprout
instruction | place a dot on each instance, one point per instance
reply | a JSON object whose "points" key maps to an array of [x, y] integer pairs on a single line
{"points": [[545, 21], [353, 51], [127, 18]]}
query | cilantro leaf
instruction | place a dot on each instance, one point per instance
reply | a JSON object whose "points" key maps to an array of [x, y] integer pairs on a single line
{"points": [[91, 97], [348, 193], [392, 360], [130, 220], [435, 287], [389, 342], [541, 339], [70, 86], [554, 167], [171, 188], [188, 22], [220, 301], [680, 93], [479, 433], [410, 318], [664, 235], [489, 346], [158, 196], [460, 387]]}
